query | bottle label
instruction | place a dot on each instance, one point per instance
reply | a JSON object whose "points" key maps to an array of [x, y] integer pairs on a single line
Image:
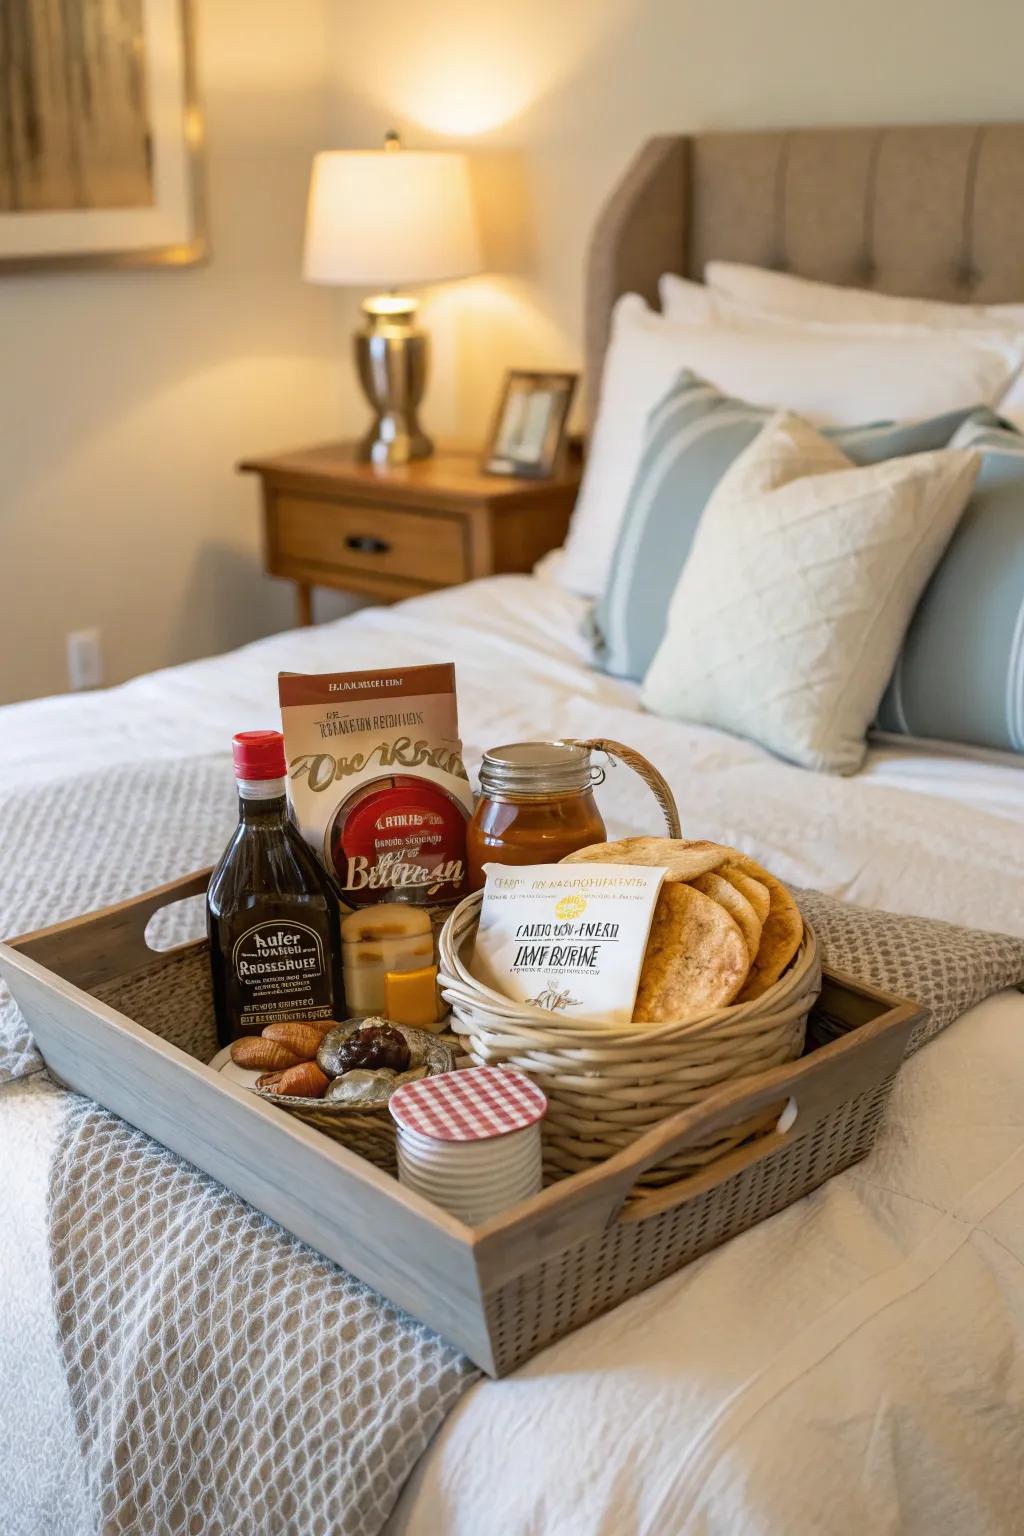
{"points": [[280, 970]]}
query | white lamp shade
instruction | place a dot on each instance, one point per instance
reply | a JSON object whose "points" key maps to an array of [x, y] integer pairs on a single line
{"points": [[385, 217]]}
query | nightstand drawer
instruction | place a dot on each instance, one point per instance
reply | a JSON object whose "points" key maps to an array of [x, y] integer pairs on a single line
{"points": [[425, 548], [330, 519]]}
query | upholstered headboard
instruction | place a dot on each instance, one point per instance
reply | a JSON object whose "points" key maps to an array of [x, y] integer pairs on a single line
{"points": [[934, 212]]}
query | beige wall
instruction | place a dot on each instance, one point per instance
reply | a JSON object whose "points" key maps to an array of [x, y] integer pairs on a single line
{"points": [[575, 86], [126, 397]]}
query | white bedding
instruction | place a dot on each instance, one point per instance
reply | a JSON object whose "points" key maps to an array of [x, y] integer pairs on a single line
{"points": [[857, 1363]]}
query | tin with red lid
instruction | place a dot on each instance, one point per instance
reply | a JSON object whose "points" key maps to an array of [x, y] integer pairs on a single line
{"points": [[474, 1105], [470, 1141], [401, 838]]}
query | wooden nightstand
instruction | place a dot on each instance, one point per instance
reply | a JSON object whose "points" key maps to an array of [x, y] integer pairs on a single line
{"points": [[333, 521]]}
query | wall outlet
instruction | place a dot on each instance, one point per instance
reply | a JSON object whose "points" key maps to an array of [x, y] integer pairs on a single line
{"points": [[85, 659]]}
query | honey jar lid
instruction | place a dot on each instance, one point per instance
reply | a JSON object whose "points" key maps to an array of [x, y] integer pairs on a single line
{"points": [[537, 768]]}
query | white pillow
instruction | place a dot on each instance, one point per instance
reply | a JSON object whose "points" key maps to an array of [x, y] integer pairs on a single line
{"points": [[855, 312], [784, 296], [842, 376], [804, 573], [640, 366], [685, 302], [801, 298]]}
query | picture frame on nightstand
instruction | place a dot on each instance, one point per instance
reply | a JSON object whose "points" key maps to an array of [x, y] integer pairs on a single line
{"points": [[529, 432]]}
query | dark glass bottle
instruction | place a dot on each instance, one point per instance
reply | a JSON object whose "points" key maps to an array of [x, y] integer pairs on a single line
{"points": [[273, 916]]}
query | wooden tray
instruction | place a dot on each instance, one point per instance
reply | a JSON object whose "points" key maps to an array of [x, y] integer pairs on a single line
{"points": [[133, 1029]]}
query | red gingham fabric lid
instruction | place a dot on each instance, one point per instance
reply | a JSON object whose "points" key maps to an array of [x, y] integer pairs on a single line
{"points": [[469, 1106]]}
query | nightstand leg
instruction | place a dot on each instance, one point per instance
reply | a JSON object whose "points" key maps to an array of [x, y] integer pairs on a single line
{"points": [[304, 602]]}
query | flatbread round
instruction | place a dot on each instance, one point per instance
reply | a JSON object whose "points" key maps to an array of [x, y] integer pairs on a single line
{"points": [[755, 892], [681, 859], [696, 959], [736, 904], [780, 937]]}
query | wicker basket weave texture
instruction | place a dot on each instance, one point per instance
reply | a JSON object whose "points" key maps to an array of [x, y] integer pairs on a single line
{"points": [[606, 1084], [174, 999], [589, 1279]]}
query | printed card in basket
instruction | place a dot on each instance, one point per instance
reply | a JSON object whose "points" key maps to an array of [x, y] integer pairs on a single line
{"points": [[569, 938]]}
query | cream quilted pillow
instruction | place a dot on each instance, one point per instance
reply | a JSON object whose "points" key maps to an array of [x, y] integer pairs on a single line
{"points": [[803, 576]]}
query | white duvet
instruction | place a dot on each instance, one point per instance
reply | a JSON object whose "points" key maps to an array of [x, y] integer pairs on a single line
{"points": [[855, 1364]]}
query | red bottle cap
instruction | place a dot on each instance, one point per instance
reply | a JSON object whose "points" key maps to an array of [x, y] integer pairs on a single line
{"points": [[258, 755]]}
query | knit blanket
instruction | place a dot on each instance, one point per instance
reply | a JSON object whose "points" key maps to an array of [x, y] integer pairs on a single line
{"points": [[222, 1377]]}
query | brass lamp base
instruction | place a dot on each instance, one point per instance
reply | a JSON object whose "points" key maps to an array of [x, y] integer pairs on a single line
{"points": [[391, 355]]}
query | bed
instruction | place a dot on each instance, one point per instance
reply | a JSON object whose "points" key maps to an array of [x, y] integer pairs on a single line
{"points": [[857, 1362]]}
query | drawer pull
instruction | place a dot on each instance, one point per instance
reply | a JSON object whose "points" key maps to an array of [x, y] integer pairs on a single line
{"points": [[367, 544]]}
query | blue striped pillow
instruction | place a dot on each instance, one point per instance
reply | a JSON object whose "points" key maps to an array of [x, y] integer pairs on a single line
{"points": [[693, 436], [960, 674]]}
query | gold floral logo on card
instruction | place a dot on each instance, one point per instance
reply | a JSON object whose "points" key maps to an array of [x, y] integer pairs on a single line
{"points": [[570, 907]]}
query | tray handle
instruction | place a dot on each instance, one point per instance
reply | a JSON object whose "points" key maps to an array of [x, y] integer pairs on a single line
{"points": [[571, 1210], [802, 1093], [102, 945]]}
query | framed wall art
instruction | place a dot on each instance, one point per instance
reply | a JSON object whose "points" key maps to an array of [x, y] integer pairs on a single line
{"points": [[100, 134]]}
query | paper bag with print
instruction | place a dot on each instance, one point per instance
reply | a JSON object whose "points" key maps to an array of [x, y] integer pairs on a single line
{"points": [[569, 938], [377, 783]]}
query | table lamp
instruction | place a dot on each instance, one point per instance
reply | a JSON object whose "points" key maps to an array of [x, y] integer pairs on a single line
{"points": [[388, 217]]}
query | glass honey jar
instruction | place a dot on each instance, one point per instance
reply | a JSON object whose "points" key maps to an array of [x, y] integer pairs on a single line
{"points": [[536, 805]]}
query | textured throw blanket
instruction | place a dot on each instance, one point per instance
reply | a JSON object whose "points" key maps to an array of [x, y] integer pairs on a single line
{"points": [[224, 1379]]}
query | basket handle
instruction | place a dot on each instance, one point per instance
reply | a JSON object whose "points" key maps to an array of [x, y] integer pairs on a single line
{"points": [[804, 1092], [655, 781], [91, 950]]}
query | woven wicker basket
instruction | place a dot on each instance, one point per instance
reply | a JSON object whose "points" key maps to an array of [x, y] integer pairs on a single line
{"points": [[371, 1131], [608, 1083]]}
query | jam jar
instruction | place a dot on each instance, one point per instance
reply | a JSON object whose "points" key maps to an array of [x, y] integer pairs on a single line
{"points": [[536, 805]]}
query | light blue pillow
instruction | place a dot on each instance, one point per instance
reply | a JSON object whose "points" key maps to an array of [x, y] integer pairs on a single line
{"points": [[960, 674], [693, 436]]}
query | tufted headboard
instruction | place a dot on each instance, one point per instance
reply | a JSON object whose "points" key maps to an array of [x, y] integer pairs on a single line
{"points": [[934, 212]]}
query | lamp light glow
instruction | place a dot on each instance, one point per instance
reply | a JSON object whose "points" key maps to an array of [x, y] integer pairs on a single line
{"points": [[387, 216]]}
